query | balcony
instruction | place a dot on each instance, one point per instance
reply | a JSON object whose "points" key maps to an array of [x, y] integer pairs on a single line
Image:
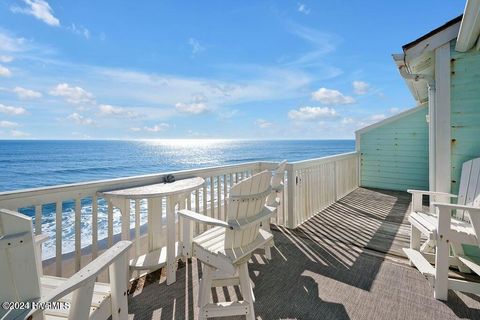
{"points": [[337, 248]]}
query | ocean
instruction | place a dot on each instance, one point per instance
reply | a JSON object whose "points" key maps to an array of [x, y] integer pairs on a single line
{"points": [[34, 163]]}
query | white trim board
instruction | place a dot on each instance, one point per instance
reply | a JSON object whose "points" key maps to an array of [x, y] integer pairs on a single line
{"points": [[431, 43], [442, 119], [470, 27], [390, 119]]}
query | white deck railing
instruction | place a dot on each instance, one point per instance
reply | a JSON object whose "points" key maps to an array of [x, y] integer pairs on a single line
{"points": [[317, 183], [309, 187]]}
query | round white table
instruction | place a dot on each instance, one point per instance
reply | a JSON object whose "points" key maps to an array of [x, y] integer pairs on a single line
{"points": [[175, 193]]}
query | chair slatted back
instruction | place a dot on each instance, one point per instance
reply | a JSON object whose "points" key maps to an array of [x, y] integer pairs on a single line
{"points": [[19, 279], [246, 201], [469, 192], [277, 181]]}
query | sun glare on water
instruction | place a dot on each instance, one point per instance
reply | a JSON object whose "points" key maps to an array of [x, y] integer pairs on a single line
{"points": [[185, 143]]}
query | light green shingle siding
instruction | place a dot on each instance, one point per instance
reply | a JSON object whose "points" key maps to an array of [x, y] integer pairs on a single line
{"points": [[465, 110], [394, 156]]}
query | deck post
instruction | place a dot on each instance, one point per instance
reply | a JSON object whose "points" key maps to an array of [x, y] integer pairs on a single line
{"points": [[291, 184]]}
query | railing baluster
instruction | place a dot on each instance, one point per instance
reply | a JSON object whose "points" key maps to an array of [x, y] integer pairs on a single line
{"points": [[219, 197], [110, 223], [197, 208], [137, 227], [204, 208], [58, 238], [94, 226], [225, 192], [126, 220], [212, 196], [78, 233]]}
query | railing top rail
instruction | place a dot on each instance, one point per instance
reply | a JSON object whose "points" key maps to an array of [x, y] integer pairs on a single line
{"points": [[317, 161], [89, 188]]}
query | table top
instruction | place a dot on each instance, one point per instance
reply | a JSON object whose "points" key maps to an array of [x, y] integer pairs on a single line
{"points": [[158, 189]]}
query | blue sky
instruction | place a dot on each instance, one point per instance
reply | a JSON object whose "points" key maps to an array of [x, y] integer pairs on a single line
{"points": [[205, 69]]}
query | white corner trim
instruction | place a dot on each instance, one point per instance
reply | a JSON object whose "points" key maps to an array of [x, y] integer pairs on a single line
{"points": [[470, 27], [442, 107]]}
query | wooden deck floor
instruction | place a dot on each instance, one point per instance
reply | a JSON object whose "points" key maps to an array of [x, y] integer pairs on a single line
{"points": [[345, 263]]}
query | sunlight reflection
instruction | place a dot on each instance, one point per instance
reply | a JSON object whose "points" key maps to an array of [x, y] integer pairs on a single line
{"points": [[185, 143]]}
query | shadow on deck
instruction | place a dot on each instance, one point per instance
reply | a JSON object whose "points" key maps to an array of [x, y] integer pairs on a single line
{"points": [[344, 263]]}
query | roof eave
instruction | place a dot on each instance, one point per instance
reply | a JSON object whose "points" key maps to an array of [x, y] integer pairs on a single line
{"points": [[399, 59], [470, 27]]}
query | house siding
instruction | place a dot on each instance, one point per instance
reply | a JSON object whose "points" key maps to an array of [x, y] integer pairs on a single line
{"points": [[394, 156], [465, 110]]}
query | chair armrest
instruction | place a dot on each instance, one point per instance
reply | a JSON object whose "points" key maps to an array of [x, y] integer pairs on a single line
{"points": [[452, 206], [88, 273], [41, 238], [243, 223], [278, 188], [431, 193], [195, 216]]}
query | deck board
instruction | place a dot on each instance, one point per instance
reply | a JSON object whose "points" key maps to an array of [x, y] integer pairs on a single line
{"points": [[344, 263]]}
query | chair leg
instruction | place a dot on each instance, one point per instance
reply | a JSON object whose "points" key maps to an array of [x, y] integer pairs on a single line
{"points": [[205, 290], [441, 270], [415, 235], [414, 238], [268, 246], [268, 253], [246, 288]]}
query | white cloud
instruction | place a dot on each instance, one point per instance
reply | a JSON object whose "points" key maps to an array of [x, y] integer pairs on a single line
{"points": [[377, 117], [8, 124], [259, 84], [80, 135], [228, 113], [79, 119], [311, 113], [6, 59], [18, 134], [303, 8], [157, 128], [40, 9], [106, 109], [80, 30], [9, 43], [394, 110], [360, 87], [347, 121], [23, 93], [196, 46], [322, 43], [192, 108], [12, 110], [263, 124], [4, 72], [135, 129], [332, 97], [75, 95]]}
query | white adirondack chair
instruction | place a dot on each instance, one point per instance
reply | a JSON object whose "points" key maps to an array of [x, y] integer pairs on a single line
{"points": [[273, 201], [450, 226], [225, 249], [21, 279]]}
